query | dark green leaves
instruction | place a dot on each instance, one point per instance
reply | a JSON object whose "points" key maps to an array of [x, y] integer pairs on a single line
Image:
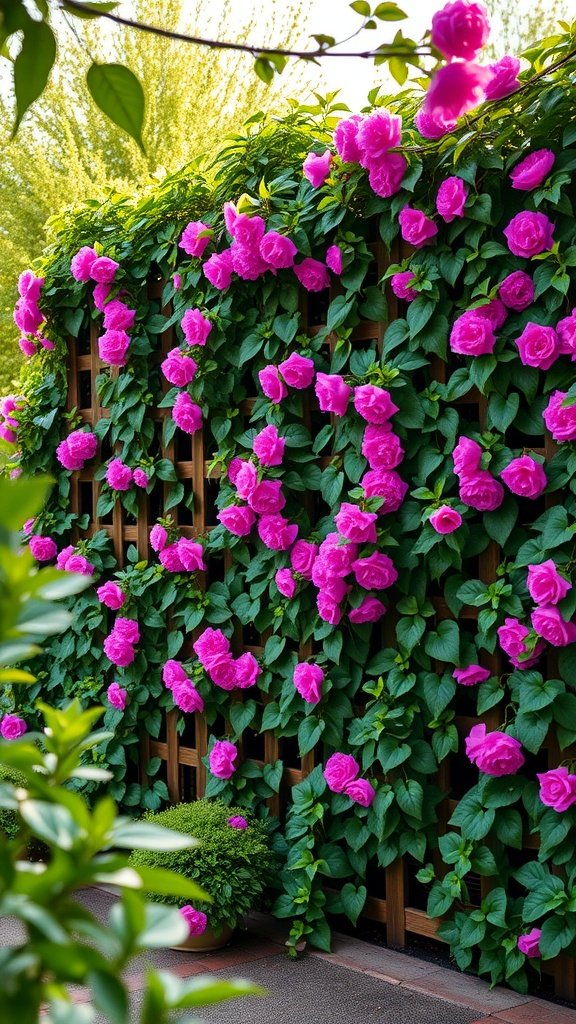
{"points": [[118, 93]]}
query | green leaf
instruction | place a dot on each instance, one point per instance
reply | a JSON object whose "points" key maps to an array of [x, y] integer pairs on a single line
{"points": [[444, 645], [110, 995], [500, 523], [309, 733], [119, 94], [353, 900], [90, 10], [264, 69], [143, 835], [169, 883], [410, 797], [32, 66], [473, 819], [557, 934]]}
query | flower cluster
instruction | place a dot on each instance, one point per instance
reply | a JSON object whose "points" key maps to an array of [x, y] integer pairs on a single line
{"points": [[184, 693], [114, 343], [9, 408], [368, 141], [120, 643], [77, 449], [28, 316], [478, 489], [341, 773], [72, 560], [213, 651], [222, 759], [120, 477], [176, 553]]}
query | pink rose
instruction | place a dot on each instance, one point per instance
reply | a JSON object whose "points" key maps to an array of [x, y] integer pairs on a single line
{"points": [[177, 281], [529, 234], [195, 326], [317, 168], [118, 650], [557, 788], [297, 371], [334, 259], [346, 138], [450, 199], [432, 127], [356, 525], [277, 533], [361, 792], [529, 943], [158, 537], [375, 572], [6, 434], [308, 680], [173, 672], [195, 919], [140, 477], [377, 133], [210, 644], [471, 675], [247, 261], [113, 346], [111, 595], [271, 384], [466, 455], [118, 317], [549, 624], [218, 269], [494, 753], [525, 476], [312, 274], [100, 295], [64, 556], [237, 821], [178, 368], [538, 346], [337, 554], [186, 696], [328, 610], [302, 558], [400, 284], [374, 404], [445, 519], [370, 610], [277, 250], [43, 549], [460, 29], [560, 421], [170, 558], [79, 564], [332, 392], [11, 727], [415, 227], [128, 629], [81, 263], [334, 587], [504, 79], [191, 555], [237, 519], [222, 758], [339, 771], [545, 584], [532, 170], [472, 335], [386, 484], [186, 414], [382, 447], [285, 582], [222, 671], [517, 291], [566, 331], [247, 670], [481, 491], [77, 449], [269, 446], [455, 89], [386, 176], [103, 270], [267, 497], [27, 316], [27, 347], [246, 479], [195, 237], [118, 475], [494, 311], [511, 637], [117, 695]]}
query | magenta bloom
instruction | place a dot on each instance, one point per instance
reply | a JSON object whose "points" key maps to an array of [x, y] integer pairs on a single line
{"points": [[545, 584], [328, 609], [312, 274], [11, 727], [432, 127], [375, 572], [267, 497], [494, 753], [445, 519], [195, 237], [525, 476], [118, 317], [247, 670], [246, 479], [177, 281], [269, 447], [178, 368], [158, 538], [277, 533], [450, 198], [529, 943], [237, 519], [113, 347], [466, 455], [517, 291], [43, 549], [481, 491], [415, 227], [317, 168], [529, 234], [111, 595], [361, 792], [119, 650], [386, 484], [271, 384], [186, 696], [471, 675], [100, 296], [77, 449], [472, 335], [191, 555], [374, 404], [117, 696], [561, 422], [532, 170], [308, 679], [222, 759], [128, 629], [356, 525], [549, 624], [81, 264], [566, 331], [173, 672], [27, 316], [195, 919], [334, 259], [339, 771], [538, 346], [386, 176], [195, 326], [277, 250], [381, 446], [377, 133], [345, 138], [186, 414], [297, 371], [218, 269], [27, 347], [140, 477], [103, 270], [512, 639], [80, 564], [285, 582], [302, 558], [455, 89], [237, 821], [370, 610], [118, 475], [400, 284], [332, 392], [460, 29], [504, 79], [557, 788]]}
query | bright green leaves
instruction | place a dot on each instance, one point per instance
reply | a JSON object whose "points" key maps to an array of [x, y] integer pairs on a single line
{"points": [[119, 94], [32, 66]]}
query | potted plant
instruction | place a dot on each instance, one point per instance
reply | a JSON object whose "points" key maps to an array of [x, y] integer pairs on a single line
{"points": [[233, 862]]}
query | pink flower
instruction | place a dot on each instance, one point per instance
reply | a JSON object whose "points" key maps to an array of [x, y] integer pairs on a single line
{"points": [[361, 792], [312, 274], [466, 455], [211, 645], [494, 311], [27, 316], [118, 317], [333, 587], [538, 346], [158, 538], [472, 335], [532, 170], [328, 609], [46, 343], [118, 650], [529, 234], [370, 610], [195, 326], [560, 421], [111, 595], [267, 497], [549, 624], [178, 368], [481, 491], [269, 446], [512, 639], [173, 672], [113, 346], [7, 434], [346, 138], [415, 227], [277, 250], [81, 264], [297, 371], [386, 176], [450, 198], [377, 133], [64, 556], [247, 261], [386, 484], [332, 392], [271, 385], [177, 281], [191, 555], [195, 919], [455, 89], [237, 519], [80, 564], [218, 269], [186, 414], [460, 29], [117, 695], [195, 237], [27, 347], [432, 127], [445, 519], [317, 168], [334, 259], [43, 549], [285, 582], [186, 696], [494, 753], [128, 629], [222, 758], [529, 943], [170, 558], [517, 291], [308, 679], [237, 821], [247, 670], [77, 449], [375, 572], [276, 533], [471, 675], [566, 331], [118, 475], [557, 789], [400, 284], [381, 446], [356, 525], [504, 79], [302, 558], [339, 771], [11, 727], [100, 295], [336, 554], [525, 476], [374, 404], [103, 270], [246, 479], [545, 584]]}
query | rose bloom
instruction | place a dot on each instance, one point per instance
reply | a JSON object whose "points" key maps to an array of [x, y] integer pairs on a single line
{"points": [[481, 491], [158, 537], [445, 519], [374, 404], [186, 414], [277, 250], [312, 274], [386, 484], [466, 455], [472, 335], [117, 695], [455, 89], [222, 671], [346, 138], [77, 449], [525, 476], [337, 554], [532, 170], [450, 198], [195, 919], [140, 477], [195, 237], [334, 259], [267, 497], [545, 584], [332, 392], [285, 582], [308, 680], [191, 555], [30, 286], [111, 595], [27, 316], [529, 234], [549, 624], [247, 670], [471, 675], [81, 264], [112, 347], [460, 29], [400, 284], [335, 587], [339, 771], [79, 564], [538, 346], [361, 792], [511, 637], [11, 727], [118, 317], [561, 422], [494, 753], [178, 368], [237, 821], [237, 519], [64, 555], [381, 446], [376, 572], [529, 943], [302, 558], [276, 533], [557, 788], [210, 644], [170, 558], [386, 176], [517, 291], [103, 270], [118, 475], [328, 610], [177, 281], [246, 479], [118, 650], [273, 387], [370, 610], [186, 696], [356, 525], [432, 127], [415, 227], [297, 371], [173, 672], [317, 168], [43, 549], [27, 347], [100, 296], [218, 269], [377, 133], [222, 758], [128, 629], [504, 79], [195, 326], [566, 331], [247, 261]]}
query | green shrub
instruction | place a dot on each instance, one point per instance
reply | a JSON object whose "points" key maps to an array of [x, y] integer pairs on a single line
{"points": [[233, 865], [9, 822]]}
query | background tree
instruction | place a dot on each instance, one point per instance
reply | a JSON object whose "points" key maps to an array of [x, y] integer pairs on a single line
{"points": [[515, 25]]}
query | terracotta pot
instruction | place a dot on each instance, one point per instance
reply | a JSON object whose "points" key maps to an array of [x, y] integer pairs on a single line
{"points": [[206, 942]]}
